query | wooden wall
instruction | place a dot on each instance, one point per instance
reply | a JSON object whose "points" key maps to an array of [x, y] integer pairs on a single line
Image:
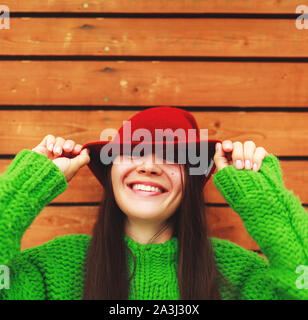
{"points": [[76, 67]]}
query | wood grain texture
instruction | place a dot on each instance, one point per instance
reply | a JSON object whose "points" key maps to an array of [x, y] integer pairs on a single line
{"points": [[278, 132], [56, 221], [17, 133], [157, 6], [177, 83], [154, 37], [84, 187], [147, 83], [52, 222], [153, 83]]}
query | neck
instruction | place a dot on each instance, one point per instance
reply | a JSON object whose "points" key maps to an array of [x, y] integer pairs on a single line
{"points": [[145, 232]]}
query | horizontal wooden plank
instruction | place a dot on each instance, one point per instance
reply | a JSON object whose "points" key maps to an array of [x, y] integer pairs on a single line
{"points": [[84, 187], [157, 6], [147, 83], [16, 133], [56, 221], [154, 37], [280, 133]]}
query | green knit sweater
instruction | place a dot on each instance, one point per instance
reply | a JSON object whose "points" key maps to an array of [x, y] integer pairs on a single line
{"points": [[272, 215]]}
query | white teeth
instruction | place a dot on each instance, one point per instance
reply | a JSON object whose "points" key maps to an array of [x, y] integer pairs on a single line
{"points": [[146, 188]]}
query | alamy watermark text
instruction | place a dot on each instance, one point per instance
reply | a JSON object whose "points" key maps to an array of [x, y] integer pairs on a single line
{"points": [[4, 17]]}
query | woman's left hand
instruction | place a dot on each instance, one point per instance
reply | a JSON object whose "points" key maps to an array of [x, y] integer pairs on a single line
{"points": [[242, 156]]}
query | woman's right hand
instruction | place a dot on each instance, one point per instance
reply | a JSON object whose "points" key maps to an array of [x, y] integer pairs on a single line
{"points": [[65, 154]]}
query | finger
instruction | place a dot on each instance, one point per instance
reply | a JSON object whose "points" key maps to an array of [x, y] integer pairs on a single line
{"points": [[81, 160], [68, 148], [219, 157], [227, 145], [50, 142], [69, 145], [238, 155], [249, 150], [40, 149], [58, 148], [77, 149], [258, 157]]}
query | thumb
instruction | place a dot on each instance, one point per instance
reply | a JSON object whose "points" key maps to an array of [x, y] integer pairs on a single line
{"points": [[81, 160], [220, 157]]}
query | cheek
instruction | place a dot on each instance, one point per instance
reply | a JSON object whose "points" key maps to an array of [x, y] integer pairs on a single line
{"points": [[118, 171], [175, 176], [116, 174]]}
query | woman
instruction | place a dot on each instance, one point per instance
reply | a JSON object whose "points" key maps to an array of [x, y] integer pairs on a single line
{"points": [[153, 243]]}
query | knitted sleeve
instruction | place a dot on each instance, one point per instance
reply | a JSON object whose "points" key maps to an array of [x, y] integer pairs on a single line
{"points": [[275, 218], [29, 183]]}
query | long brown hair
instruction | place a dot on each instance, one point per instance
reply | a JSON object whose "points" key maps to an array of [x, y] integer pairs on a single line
{"points": [[107, 275]]}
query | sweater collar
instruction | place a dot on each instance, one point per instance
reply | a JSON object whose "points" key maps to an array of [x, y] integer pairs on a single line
{"points": [[166, 252]]}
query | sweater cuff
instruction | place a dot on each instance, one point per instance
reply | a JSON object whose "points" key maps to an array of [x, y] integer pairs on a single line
{"points": [[235, 184], [36, 176]]}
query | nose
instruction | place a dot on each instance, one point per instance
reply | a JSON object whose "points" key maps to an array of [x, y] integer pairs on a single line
{"points": [[148, 166]]}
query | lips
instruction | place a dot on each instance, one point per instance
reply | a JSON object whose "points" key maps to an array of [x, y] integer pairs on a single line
{"points": [[146, 192]]}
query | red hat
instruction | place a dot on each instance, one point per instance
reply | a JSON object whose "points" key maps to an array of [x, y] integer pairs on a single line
{"points": [[151, 120]]}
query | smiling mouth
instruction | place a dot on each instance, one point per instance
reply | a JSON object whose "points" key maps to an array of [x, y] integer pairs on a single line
{"points": [[146, 190]]}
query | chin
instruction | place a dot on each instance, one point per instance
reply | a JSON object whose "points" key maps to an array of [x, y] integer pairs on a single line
{"points": [[146, 215]]}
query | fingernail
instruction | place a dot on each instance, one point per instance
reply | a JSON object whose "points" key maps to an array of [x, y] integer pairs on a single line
{"points": [[58, 150], [238, 164], [255, 167], [247, 164], [50, 147]]}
